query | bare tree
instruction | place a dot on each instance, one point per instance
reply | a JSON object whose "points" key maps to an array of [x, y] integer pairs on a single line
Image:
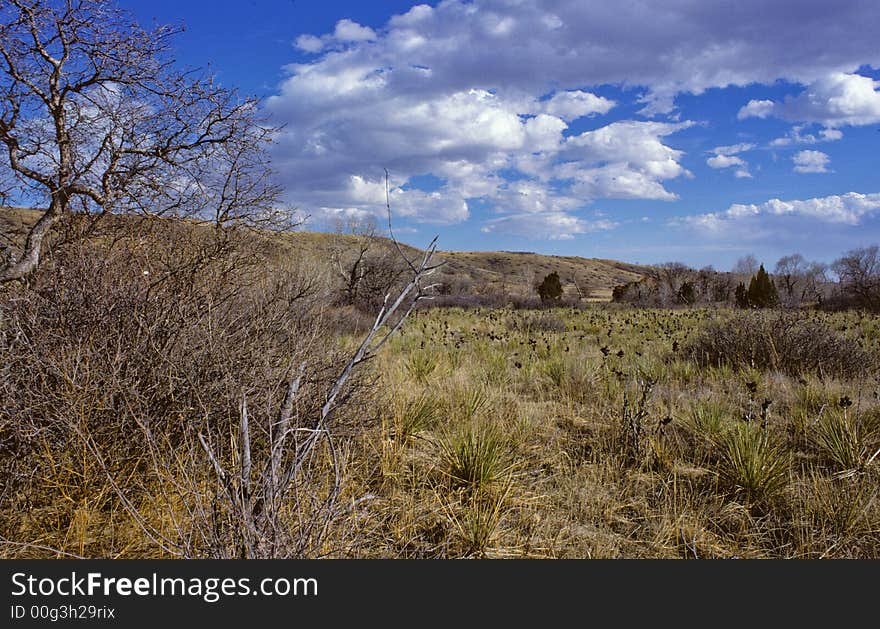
{"points": [[859, 274], [746, 265], [815, 283], [368, 265], [791, 271], [672, 276], [350, 258], [95, 119], [722, 287]]}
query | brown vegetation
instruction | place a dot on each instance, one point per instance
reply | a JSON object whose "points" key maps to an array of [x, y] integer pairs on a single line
{"points": [[147, 369]]}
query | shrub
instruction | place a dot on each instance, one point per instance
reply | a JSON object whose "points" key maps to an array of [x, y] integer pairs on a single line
{"points": [[786, 342], [687, 294], [741, 296], [183, 375]]}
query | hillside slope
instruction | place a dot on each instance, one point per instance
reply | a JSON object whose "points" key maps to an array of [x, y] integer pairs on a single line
{"points": [[516, 273], [479, 272]]}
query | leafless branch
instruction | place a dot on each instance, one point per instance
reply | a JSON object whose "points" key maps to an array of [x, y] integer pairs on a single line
{"points": [[95, 118]]}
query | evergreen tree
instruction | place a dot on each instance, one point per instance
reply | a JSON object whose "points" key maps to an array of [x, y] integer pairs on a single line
{"points": [[687, 295], [741, 296], [762, 291], [550, 290]]}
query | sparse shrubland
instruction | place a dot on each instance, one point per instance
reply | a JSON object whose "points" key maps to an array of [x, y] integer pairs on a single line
{"points": [[209, 384], [626, 444], [132, 359]]}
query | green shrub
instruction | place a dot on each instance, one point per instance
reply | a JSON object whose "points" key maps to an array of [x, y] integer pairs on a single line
{"points": [[550, 289]]}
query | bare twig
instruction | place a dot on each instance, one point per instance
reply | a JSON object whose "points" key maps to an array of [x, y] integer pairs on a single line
{"points": [[57, 551]]}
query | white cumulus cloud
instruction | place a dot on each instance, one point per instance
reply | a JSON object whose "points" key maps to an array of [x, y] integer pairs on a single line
{"points": [[835, 100], [845, 209], [810, 162], [756, 109], [733, 149], [350, 31], [473, 91], [725, 161], [577, 104], [726, 157], [797, 136], [545, 226], [309, 43]]}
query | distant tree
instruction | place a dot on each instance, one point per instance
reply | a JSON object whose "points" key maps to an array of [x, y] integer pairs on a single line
{"points": [[349, 258], [762, 291], [619, 292], [671, 276], [791, 271], [815, 282], [638, 293], [859, 274], [368, 265], [550, 289], [746, 265], [721, 287], [703, 283], [741, 296]]}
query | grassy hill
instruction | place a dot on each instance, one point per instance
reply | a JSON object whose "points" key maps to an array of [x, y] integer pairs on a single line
{"points": [[515, 272], [480, 272]]}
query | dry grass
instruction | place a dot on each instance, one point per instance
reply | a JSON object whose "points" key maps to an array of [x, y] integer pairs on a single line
{"points": [[503, 433], [515, 273], [634, 451]]}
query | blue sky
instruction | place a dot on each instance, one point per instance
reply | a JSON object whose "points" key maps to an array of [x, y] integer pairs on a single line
{"points": [[683, 130]]}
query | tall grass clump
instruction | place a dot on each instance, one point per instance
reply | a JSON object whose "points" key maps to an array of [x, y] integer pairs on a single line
{"points": [[476, 521], [572, 378], [467, 402], [475, 455], [415, 416], [753, 464], [846, 441], [708, 419], [420, 365], [535, 322]]}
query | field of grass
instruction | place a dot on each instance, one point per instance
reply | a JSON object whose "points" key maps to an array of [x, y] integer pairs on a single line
{"points": [[134, 363], [598, 434]]}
